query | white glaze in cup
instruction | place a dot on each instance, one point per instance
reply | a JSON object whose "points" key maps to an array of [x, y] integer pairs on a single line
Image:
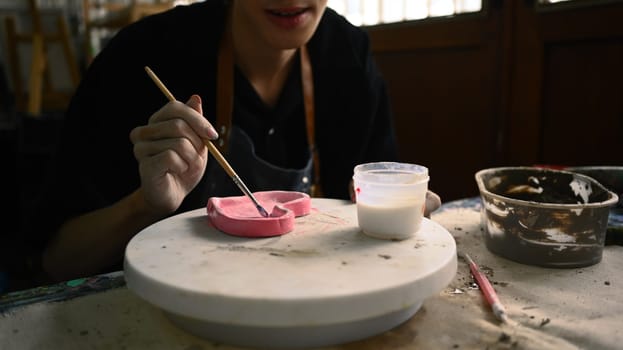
{"points": [[390, 198]]}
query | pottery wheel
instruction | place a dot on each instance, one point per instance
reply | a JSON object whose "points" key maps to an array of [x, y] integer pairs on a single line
{"points": [[323, 283]]}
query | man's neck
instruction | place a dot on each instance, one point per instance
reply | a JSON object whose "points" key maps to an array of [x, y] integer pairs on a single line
{"points": [[266, 68]]}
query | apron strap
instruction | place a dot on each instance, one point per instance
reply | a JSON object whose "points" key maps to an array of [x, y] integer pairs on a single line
{"points": [[307, 79], [225, 100]]}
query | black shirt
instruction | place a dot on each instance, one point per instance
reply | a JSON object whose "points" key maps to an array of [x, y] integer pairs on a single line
{"points": [[95, 166]]}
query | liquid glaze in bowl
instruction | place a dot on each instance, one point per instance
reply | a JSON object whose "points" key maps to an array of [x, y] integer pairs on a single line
{"points": [[544, 217]]}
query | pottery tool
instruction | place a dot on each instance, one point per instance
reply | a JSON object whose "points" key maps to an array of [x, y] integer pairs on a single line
{"points": [[215, 152], [512, 328], [487, 289]]}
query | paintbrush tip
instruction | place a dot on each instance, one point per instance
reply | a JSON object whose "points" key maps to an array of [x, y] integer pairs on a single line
{"points": [[263, 211], [466, 256]]}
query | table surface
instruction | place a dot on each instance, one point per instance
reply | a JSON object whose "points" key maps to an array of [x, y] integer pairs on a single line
{"points": [[579, 308]]}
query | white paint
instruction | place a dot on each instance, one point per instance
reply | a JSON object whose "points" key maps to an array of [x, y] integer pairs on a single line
{"points": [[390, 198], [494, 182], [525, 189], [494, 230], [495, 210], [556, 235], [397, 221], [581, 188], [534, 180]]}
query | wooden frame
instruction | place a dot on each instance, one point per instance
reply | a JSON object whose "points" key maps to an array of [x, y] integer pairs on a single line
{"points": [[40, 91], [117, 16]]}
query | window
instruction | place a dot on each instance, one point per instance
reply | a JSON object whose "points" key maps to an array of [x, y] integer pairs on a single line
{"points": [[371, 12]]}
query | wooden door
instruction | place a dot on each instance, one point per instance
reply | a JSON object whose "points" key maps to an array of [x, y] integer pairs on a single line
{"points": [[446, 89], [518, 84], [567, 92]]}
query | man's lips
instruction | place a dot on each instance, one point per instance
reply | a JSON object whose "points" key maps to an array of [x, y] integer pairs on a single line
{"points": [[288, 18], [287, 12]]}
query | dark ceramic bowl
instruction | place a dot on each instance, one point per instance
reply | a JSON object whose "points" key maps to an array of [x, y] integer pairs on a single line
{"points": [[609, 176], [544, 217]]}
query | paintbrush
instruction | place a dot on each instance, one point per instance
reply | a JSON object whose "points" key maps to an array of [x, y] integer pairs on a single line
{"points": [[487, 289], [215, 152]]}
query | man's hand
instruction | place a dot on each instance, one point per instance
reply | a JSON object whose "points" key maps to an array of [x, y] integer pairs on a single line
{"points": [[171, 153], [433, 202]]}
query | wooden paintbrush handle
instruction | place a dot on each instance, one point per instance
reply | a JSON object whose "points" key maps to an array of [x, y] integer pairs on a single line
{"points": [[219, 157]]}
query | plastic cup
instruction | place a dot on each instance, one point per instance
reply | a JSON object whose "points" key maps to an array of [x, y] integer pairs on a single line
{"points": [[390, 198]]}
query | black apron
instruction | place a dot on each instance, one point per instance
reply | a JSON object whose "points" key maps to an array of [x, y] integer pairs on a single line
{"points": [[256, 173]]}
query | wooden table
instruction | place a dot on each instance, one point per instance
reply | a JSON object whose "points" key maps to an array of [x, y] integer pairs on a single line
{"points": [[555, 308]]}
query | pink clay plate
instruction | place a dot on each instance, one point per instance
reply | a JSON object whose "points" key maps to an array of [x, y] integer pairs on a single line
{"points": [[238, 216]]}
